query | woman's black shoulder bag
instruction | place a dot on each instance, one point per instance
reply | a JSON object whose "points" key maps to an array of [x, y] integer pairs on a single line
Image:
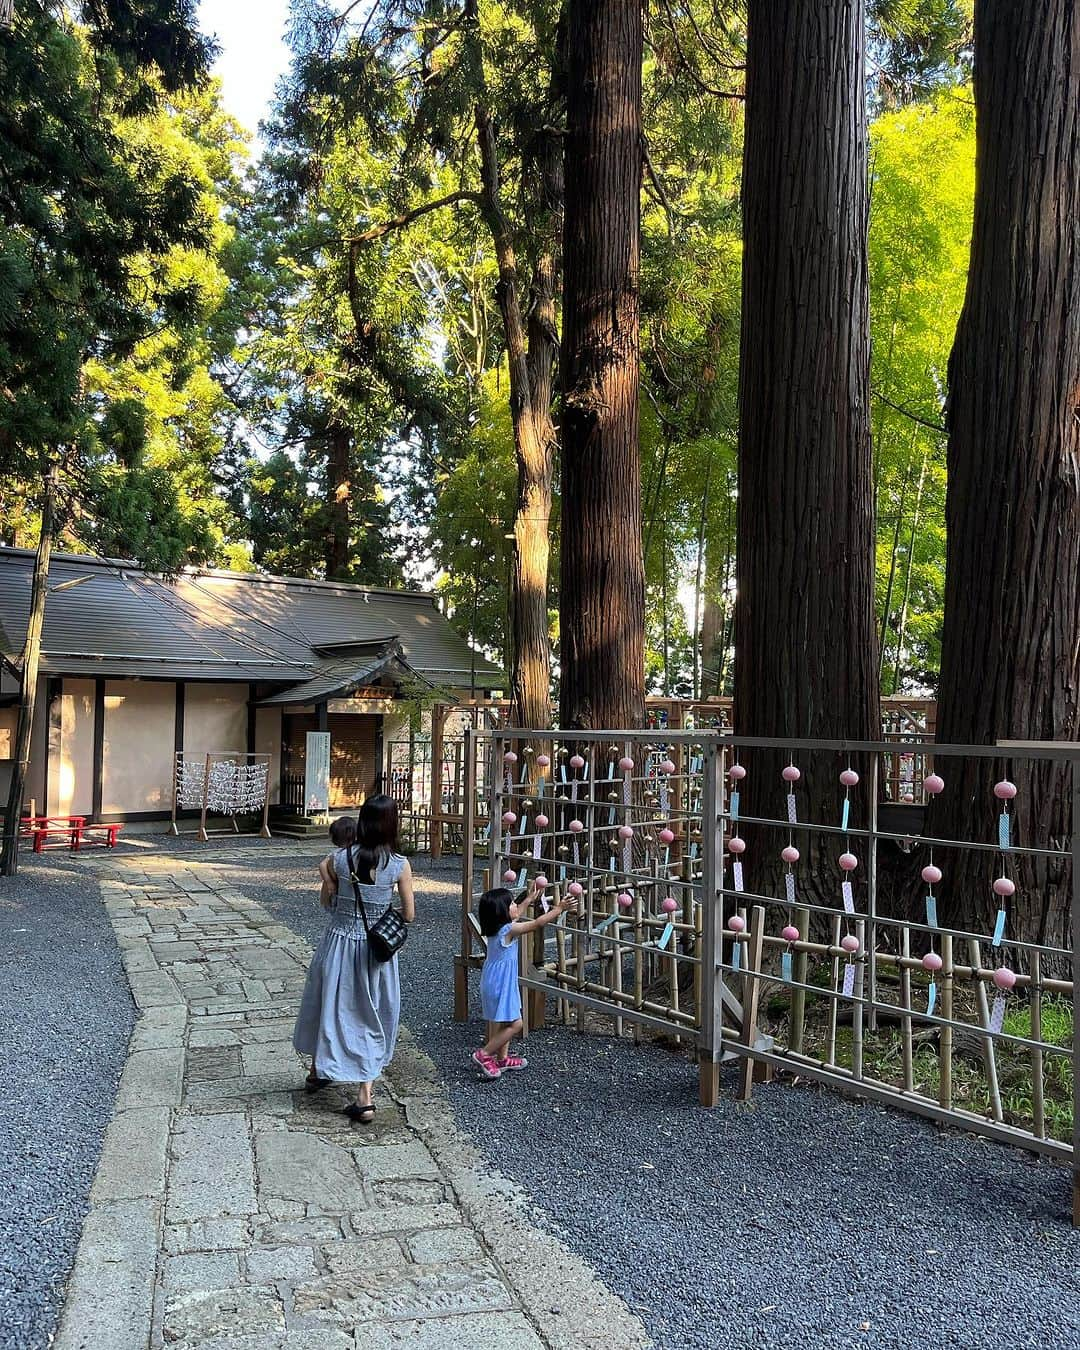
{"points": [[386, 936]]}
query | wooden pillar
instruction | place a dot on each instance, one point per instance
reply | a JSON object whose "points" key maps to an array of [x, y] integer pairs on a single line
{"points": [[438, 721], [99, 749]]}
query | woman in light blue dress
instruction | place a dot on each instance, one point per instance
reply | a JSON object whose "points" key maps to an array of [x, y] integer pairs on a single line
{"points": [[349, 1013]]}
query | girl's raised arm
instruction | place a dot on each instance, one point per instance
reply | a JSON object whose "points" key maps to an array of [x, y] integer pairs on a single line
{"points": [[520, 926]]}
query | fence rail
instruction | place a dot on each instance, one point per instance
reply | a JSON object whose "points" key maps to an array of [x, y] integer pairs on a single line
{"points": [[754, 898]]}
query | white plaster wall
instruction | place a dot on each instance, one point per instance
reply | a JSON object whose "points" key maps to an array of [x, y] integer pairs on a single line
{"points": [[71, 761], [140, 728], [215, 718], [268, 742]]}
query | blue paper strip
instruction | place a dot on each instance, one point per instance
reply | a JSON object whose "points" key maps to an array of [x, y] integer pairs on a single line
{"points": [[931, 911], [931, 999], [733, 806], [785, 966], [999, 928], [665, 937], [1003, 832], [846, 816], [605, 923], [736, 955]]}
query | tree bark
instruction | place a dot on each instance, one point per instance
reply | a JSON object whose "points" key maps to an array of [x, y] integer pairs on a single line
{"points": [[338, 493], [1012, 507], [602, 590], [805, 639], [31, 659]]}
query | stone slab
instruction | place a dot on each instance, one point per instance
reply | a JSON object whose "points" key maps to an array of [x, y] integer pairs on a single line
{"points": [[396, 1162], [194, 1318], [133, 1156], [481, 1331], [445, 1244], [151, 1078], [408, 1292], [110, 1293], [302, 1168], [362, 1255], [212, 1174], [265, 1265], [202, 1270], [206, 1235]]}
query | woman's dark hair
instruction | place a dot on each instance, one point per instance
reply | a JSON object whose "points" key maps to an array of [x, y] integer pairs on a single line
{"points": [[343, 831], [376, 836], [493, 910]]}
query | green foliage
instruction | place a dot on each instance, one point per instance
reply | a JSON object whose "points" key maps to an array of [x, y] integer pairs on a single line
{"points": [[923, 163], [110, 209]]}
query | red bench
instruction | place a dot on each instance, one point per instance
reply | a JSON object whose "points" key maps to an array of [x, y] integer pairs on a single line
{"points": [[103, 836], [42, 829]]}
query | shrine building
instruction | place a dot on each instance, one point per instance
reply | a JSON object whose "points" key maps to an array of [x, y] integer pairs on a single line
{"points": [[141, 675]]}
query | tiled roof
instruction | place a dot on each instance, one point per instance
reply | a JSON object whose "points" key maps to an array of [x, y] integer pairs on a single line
{"points": [[112, 619]]}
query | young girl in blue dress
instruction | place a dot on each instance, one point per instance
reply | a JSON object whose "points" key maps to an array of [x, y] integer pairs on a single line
{"points": [[500, 994]]}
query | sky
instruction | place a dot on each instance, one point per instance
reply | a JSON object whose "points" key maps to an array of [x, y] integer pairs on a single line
{"points": [[251, 35]]}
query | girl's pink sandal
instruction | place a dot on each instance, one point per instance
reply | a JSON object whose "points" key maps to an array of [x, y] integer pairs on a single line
{"points": [[512, 1062], [487, 1066]]}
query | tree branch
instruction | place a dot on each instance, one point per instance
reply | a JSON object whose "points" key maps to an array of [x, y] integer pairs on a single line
{"points": [[914, 417], [407, 217]]}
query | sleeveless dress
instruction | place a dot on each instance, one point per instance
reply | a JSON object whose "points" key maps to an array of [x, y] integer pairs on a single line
{"points": [[348, 1018], [500, 994]]}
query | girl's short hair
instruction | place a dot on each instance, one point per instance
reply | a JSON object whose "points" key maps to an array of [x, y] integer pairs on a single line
{"points": [[343, 831], [493, 910]]}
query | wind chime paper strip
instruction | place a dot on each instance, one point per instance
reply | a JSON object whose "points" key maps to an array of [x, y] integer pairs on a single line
{"points": [[665, 795], [849, 980], [999, 928], [627, 857], [604, 924], [785, 967], [736, 954], [1003, 832], [611, 780], [849, 897], [845, 816], [789, 887], [733, 806], [931, 911], [665, 937], [736, 875], [997, 1014], [931, 999], [792, 809]]}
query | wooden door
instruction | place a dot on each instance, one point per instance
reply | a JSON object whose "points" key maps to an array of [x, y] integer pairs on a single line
{"points": [[352, 759]]}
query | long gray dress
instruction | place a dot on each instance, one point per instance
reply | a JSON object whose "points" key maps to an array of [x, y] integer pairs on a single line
{"points": [[349, 1012]]}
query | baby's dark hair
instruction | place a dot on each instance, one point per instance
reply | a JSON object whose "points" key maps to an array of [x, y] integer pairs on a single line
{"points": [[493, 910], [343, 831]]}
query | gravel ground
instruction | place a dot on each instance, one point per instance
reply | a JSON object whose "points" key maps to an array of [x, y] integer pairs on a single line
{"points": [[67, 1016], [800, 1219]]}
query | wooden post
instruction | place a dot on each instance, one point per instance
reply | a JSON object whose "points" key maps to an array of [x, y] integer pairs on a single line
{"points": [[1075, 767], [750, 991], [710, 1010], [438, 721], [461, 965]]}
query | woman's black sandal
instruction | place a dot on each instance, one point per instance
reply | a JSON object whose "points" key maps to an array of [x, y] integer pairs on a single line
{"points": [[362, 1113], [313, 1083]]}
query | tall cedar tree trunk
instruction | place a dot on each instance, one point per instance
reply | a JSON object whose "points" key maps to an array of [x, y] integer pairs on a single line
{"points": [[9, 858], [805, 640], [531, 346], [1010, 661], [602, 583], [338, 492]]}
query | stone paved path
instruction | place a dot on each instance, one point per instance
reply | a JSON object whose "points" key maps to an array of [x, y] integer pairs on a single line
{"points": [[231, 1211]]}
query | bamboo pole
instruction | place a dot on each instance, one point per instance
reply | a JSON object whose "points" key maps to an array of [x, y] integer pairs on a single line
{"points": [[751, 987], [1038, 1089], [945, 1037], [905, 1001], [830, 1056], [989, 1053]]}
